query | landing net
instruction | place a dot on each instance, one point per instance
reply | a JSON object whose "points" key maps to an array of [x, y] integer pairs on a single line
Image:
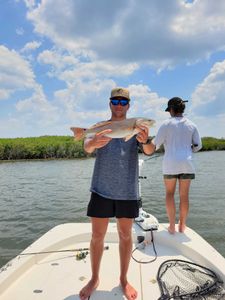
{"points": [[179, 279]]}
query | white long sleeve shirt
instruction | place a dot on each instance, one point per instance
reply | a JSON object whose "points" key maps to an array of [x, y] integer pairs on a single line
{"points": [[180, 138]]}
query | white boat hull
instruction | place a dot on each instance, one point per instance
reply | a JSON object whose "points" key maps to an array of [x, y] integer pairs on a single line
{"points": [[60, 276]]}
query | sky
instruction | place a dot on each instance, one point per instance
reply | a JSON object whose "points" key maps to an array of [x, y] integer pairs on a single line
{"points": [[59, 60]]}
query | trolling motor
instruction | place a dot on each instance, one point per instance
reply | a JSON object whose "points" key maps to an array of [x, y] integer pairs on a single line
{"points": [[146, 221]]}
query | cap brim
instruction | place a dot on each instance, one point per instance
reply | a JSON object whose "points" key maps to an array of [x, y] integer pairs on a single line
{"points": [[167, 109], [111, 98]]}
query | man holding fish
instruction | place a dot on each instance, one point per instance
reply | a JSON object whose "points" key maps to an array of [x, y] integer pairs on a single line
{"points": [[114, 187]]}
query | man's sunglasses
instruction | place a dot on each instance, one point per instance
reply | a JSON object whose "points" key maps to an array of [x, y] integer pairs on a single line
{"points": [[122, 102]]}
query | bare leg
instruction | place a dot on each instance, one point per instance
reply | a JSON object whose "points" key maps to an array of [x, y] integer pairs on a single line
{"points": [[99, 227], [170, 185], [124, 226], [184, 186]]}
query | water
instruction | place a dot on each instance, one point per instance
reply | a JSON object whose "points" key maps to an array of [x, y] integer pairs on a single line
{"points": [[37, 195]]}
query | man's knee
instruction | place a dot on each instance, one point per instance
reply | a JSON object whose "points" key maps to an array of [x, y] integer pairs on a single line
{"points": [[98, 236], [125, 235]]}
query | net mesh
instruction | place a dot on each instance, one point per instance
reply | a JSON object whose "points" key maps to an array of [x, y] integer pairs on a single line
{"points": [[180, 279]]}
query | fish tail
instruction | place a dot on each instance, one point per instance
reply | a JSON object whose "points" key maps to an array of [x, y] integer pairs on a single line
{"points": [[79, 133]]}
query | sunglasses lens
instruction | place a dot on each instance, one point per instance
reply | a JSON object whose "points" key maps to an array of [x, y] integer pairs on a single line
{"points": [[115, 101], [122, 102]]}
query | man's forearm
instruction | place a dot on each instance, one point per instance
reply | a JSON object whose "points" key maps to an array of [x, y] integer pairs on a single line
{"points": [[149, 148]]}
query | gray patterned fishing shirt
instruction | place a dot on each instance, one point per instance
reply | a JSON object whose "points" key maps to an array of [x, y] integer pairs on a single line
{"points": [[115, 174]]}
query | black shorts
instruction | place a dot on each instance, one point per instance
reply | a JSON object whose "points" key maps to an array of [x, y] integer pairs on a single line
{"points": [[100, 207], [180, 176]]}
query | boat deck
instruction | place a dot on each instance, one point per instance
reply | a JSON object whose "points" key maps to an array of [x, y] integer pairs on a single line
{"points": [[60, 276]]}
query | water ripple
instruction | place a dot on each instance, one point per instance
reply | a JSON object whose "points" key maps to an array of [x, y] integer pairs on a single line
{"points": [[37, 195]]}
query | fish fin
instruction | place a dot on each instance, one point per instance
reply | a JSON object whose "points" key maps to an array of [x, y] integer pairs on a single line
{"points": [[79, 133], [100, 124], [128, 137]]}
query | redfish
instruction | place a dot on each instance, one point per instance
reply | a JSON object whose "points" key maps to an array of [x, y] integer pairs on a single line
{"points": [[125, 129]]}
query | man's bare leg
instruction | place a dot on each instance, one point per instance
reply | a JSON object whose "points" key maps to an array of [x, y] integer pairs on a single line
{"points": [[170, 185], [99, 227], [184, 186], [124, 226]]}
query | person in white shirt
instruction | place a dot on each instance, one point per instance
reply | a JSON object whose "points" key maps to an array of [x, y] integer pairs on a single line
{"points": [[180, 138]]}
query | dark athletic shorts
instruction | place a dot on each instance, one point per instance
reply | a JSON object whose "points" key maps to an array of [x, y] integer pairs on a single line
{"points": [[180, 176], [100, 207]]}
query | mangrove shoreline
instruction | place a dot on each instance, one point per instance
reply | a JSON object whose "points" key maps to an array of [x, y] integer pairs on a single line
{"points": [[65, 147]]}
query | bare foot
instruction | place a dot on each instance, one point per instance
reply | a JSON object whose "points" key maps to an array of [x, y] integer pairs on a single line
{"points": [[129, 292], [88, 289], [182, 227], [171, 229]]}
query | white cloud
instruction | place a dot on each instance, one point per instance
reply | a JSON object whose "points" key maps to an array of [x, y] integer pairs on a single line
{"points": [[20, 31], [69, 68], [11, 127], [38, 116], [146, 103], [93, 46], [58, 61], [38, 105], [164, 33], [210, 125], [17, 76], [209, 96], [88, 84], [30, 3], [16, 73], [31, 46], [83, 98], [4, 94]]}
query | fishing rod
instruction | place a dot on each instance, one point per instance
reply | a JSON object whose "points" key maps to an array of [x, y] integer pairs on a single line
{"points": [[152, 156], [59, 251]]}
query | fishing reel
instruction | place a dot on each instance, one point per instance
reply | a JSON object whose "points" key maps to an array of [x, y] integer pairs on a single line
{"points": [[81, 255]]}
